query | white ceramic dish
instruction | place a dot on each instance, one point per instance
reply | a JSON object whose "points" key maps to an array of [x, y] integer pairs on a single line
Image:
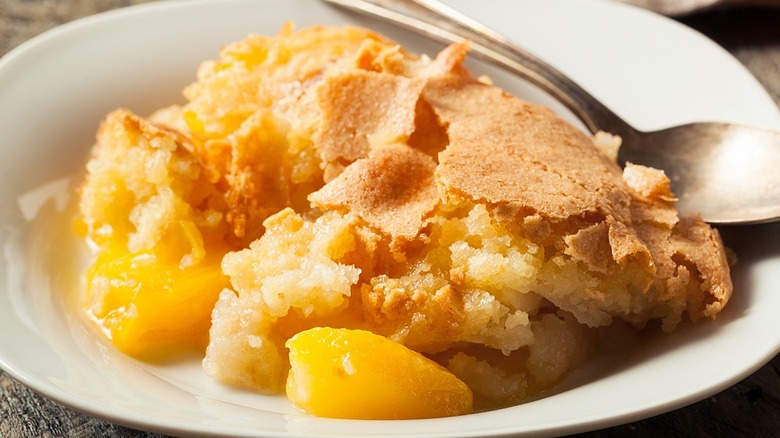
{"points": [[55, 89]]}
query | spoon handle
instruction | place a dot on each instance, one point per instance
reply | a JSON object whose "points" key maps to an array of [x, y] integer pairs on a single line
{"points": [[442, 23]]}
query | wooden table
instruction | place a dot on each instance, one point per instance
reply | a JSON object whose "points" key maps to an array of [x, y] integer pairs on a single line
{"points": [[749, 408]]}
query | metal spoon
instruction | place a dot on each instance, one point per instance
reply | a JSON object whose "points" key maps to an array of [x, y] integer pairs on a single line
{"points": [[677, 8], [728, 173]]}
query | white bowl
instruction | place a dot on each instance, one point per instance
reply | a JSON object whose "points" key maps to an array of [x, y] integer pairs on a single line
{"points": [[55, 89]]}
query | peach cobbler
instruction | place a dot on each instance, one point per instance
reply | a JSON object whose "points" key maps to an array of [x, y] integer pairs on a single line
{"points": [[379, 234]]}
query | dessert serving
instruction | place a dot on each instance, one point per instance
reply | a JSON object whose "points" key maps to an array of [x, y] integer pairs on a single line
{"points": [[379, 234]]}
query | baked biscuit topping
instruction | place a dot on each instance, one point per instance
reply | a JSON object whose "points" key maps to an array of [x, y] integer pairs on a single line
{"points": [[351, 184]]}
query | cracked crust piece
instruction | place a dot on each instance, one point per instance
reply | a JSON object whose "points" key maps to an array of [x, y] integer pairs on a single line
{"points": [[499, 147], [362, 110], [393, 190]]}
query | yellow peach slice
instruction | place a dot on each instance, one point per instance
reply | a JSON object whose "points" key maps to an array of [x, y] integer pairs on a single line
{"points": [[344, 373], [148, 305]]}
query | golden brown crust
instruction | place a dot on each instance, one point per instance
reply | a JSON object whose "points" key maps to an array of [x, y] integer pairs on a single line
{"points": [[392, 190], [500, 147], [699, 247], [361, 110], [591, 246]]}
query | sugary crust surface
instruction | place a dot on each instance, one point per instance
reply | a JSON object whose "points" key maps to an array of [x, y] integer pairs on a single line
{"points": [[500, 147], [392, 190], [361, 109]]}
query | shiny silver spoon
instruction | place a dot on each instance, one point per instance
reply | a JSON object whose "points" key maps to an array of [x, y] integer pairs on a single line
{"points": [[728, 173]]}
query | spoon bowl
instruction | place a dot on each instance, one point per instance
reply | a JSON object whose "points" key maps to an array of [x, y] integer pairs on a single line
{"points": [[727, 173]]}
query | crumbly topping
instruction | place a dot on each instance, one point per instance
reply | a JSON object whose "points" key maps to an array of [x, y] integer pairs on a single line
{"points": [[648, 182]]}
